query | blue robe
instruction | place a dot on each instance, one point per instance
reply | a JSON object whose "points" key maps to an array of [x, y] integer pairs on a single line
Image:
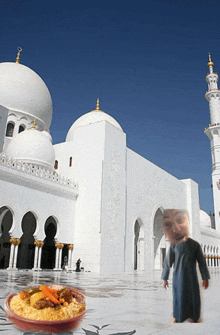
{"points": [[186, 295]]}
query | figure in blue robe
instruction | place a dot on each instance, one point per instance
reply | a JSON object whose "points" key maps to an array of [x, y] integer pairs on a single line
{"points": [[186, 295]]}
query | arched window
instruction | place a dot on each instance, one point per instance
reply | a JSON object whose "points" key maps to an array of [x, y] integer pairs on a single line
{"points": [[56, 165], [70, 161], [10, 129], [21, 128]]}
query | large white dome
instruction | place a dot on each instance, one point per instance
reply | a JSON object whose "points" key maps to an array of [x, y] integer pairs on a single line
{"points": [[32, 146], [22, 90], [88, 118]]}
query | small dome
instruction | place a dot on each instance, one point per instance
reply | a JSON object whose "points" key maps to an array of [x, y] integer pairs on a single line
{"points": [[22, 90], [205, 220], [89, 118], [32, 146]]}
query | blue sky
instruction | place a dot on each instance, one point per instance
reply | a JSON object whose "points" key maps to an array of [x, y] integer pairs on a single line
{"points": [[145, 60]]}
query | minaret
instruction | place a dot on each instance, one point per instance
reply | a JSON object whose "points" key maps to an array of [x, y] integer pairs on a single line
{"points": [[213, 133]]}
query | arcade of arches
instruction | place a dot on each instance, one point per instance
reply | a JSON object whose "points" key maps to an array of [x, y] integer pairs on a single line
{"points": [[27, 253]]}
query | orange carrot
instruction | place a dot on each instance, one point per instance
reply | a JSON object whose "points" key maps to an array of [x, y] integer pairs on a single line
{"points": [[55, 295], [23, 294], [51, 290], [45, 291]]}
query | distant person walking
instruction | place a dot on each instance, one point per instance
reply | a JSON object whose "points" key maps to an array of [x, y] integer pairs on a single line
{"points": [[78, 269], [65, 264]]}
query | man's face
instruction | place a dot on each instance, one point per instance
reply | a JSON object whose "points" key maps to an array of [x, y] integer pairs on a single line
{"points": [[175, 225]]}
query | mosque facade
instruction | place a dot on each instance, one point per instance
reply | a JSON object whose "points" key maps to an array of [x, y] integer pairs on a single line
{"points": [[90, 197]]}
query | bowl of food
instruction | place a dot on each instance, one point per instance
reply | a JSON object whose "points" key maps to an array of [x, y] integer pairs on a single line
{"points": [[50, 309]]}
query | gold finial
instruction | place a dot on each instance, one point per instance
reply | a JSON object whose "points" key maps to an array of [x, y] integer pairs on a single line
{"points": [[34, 124], [97, 107], [97, 104], [210, 63], [18, 55]]}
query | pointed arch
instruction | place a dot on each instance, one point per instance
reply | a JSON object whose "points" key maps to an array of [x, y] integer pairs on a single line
{"points": [[49, 250], [159, 239], [6, 220], [138, 245], [26, 246], [21, 128], [10, 129]]}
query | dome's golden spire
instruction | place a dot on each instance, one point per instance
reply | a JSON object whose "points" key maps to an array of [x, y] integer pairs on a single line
{"points": [[18, 55], [97, 107], [210, 63], [97, 104], [34, 124]]}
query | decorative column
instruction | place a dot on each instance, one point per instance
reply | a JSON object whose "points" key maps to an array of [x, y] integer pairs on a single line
{"points": [[13, 253], [212, 260], [16, 254], [59, 247], [37, 255], [73, 263], [70, 256], [208, 259], [11, 256], [56, 259]]}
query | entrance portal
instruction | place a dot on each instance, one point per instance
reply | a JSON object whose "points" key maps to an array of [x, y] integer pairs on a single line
{"points": [[159, 240], [25, 258], [138, 246], [49, 249], [5, 224]]}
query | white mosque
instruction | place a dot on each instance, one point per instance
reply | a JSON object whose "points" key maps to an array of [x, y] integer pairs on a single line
{"points": [[89, 197]]}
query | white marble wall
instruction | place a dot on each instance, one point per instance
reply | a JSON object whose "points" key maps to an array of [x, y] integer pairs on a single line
{"points": [[87, 152], [3, 121], [113, 206], [149, 188]]}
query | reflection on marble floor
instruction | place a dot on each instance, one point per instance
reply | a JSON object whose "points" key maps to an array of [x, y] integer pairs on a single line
{"points": [[124, 304], [18, 280]]}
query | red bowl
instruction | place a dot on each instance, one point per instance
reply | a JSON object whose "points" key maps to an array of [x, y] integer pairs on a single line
{"points": [[45, 326]]}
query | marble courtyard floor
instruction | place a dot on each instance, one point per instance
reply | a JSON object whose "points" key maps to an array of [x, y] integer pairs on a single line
{"points": [[125, 304]]}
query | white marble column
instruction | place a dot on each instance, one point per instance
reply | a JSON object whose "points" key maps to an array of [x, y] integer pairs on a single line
{"points": [[70, 256], [39, 258], [36, 251], [69, 259], [60, 259], [13, 253], [11, 257], [59, 247], [15, 257], [37, 255], [56, 260], [73, 263]]}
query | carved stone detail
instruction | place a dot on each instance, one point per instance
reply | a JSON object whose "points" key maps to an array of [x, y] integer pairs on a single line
{"points": [[37, 171]]}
